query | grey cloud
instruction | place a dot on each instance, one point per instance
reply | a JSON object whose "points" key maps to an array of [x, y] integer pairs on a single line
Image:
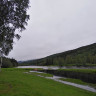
{"points": [[56, 26]]}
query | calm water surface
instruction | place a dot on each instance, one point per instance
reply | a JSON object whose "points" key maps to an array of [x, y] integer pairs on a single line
{"points": [[56, 67]]}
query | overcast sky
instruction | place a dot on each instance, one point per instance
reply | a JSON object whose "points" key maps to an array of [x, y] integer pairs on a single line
{"points": [[56, 26]]}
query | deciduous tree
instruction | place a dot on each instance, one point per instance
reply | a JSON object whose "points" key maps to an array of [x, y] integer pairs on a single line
{"points": [[13, 15]]}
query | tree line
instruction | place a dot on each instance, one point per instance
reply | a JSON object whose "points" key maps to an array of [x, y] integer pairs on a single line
{"points": [[8, 63]]}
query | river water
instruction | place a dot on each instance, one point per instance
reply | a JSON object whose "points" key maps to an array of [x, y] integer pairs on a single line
{"points": [[56, 67], [44, 67]]}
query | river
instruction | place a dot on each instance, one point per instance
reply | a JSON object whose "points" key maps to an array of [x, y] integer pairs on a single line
{"points": [[56, 67]]}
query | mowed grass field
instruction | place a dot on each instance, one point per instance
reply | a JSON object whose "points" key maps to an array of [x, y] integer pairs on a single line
{"points": [[14, 82]]}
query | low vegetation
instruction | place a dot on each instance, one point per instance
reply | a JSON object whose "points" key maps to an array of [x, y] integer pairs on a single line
{"points": [[7, 63], [41, 74], [14, 82], [80, 70]]}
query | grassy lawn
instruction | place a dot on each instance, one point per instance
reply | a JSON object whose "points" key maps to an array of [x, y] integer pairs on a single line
{"points": [[14, 82]]}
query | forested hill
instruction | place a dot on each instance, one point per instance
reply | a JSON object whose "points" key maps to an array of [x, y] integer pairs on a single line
{"points": [[83, 56]]}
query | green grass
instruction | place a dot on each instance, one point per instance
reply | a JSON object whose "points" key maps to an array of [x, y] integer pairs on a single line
{"points": [[42, 74], [80, 70], [14, 82], [77, 81]]}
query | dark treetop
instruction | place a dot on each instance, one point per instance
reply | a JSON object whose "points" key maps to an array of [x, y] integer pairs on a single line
{"points": [[13, 15]]}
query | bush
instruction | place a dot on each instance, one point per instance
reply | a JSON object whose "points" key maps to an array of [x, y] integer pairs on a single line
{"points": [[8, 63]]}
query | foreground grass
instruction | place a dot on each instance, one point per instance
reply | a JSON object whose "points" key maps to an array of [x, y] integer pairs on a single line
{"points": [[14, 82]]}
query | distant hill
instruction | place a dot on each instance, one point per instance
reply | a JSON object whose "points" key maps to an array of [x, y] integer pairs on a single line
{"points": [[83, 56], [26, 63]]}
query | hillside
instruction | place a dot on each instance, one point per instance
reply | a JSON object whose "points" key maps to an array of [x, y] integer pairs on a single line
{"points": [[83, 56]]}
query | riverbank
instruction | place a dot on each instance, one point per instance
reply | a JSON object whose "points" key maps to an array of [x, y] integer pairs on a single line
{"points": [[86, 75], [14, 82], [69, 81]]}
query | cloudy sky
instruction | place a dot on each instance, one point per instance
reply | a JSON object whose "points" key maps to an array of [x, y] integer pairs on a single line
{"points": [[56, 26]]}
